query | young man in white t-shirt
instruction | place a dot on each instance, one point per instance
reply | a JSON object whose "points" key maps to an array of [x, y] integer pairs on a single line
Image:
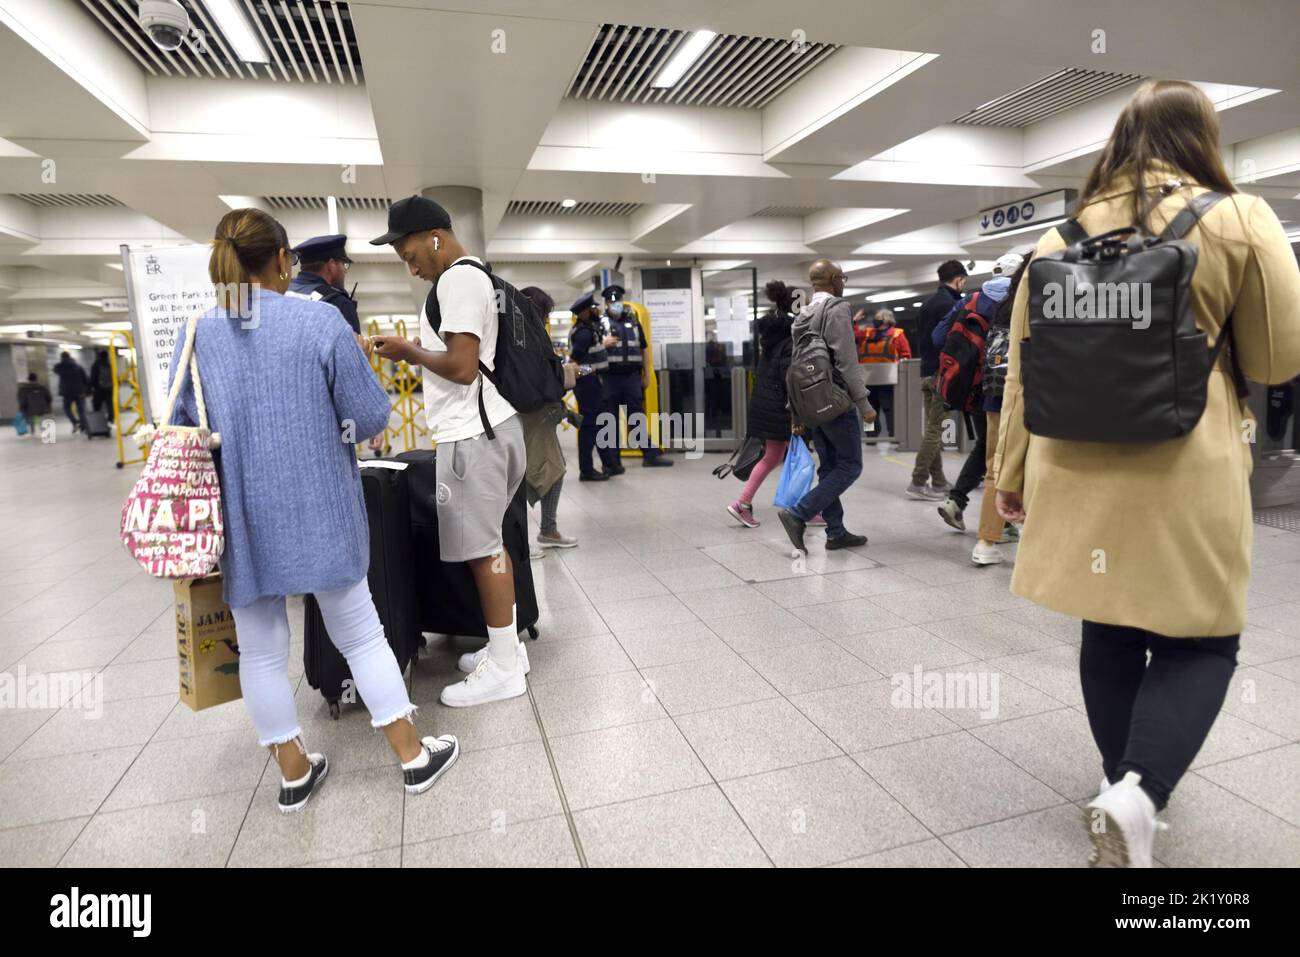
{"points": [[477, 475]]}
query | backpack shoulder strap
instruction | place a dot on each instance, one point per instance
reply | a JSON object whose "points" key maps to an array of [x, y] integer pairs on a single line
{"points": [[1072, 232], [1189, 215]]}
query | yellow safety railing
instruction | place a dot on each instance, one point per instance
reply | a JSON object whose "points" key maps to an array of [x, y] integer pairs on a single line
{"points": [[401, 382], [128, 416]]}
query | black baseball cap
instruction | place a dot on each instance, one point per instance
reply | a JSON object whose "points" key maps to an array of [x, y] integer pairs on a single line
{"points": [[415, 214]]}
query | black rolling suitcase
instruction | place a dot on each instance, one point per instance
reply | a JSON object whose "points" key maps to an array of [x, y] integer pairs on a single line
{"points": [[392, 585], [97, 424], [448, 597]]}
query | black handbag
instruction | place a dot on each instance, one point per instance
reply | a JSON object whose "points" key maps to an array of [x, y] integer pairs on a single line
{"points": [[742, 460], [1114, 353]]}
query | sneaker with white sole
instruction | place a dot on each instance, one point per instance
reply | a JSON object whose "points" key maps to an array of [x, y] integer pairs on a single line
{"points": [[558, 541], [952, 515], [294, 797], [1010, 535], [925, 493], [468, 662], [985, 554], [817, 521], [743, 512], [487, 682], [534, 552], [1122, 824], [443, 752]]}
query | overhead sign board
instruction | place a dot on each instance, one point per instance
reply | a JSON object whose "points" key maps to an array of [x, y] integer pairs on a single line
{"points": [[1023, 213]]}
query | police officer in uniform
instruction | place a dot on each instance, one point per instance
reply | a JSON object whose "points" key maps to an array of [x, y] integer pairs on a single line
{"points": [[628, 377], [587, 349], [324, 267]]}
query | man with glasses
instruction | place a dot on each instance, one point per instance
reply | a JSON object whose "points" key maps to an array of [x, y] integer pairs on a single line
{"points": [[324, 268]]}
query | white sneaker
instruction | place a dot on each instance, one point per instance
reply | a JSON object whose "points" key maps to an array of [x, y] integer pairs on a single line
{"points": [[560, 541], [952, 515], [488, 682], [534, 552], [469, 661], [986, 555], [1122, 824]]}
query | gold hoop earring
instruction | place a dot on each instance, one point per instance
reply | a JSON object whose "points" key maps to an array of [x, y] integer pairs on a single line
{"points": [[284, 275]]}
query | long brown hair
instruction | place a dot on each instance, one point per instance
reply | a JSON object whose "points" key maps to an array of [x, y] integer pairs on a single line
{"points": [[244, 242], [1167, 120]]}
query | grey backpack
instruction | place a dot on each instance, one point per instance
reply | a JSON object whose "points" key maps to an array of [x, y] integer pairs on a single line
{"points": [[816, 396]]}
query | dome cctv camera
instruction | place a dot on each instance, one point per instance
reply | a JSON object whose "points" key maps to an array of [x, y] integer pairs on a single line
{"points": [[165, 21]]}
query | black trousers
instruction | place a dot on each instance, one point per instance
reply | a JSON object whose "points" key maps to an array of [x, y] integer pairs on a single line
{"points": [[882, 397], [972, 472], [590, 393], [624, 388], [1152, 717]]}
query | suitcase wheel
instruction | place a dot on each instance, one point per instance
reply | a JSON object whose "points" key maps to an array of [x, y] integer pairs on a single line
{"points": [[532, 632], [119, 464], [334, 707]]}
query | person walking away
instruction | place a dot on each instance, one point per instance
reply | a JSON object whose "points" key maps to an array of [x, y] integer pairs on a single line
{"points": [[928, 466], [479, 472], [101, 383], [988, 302], [73, 386], [34, 401], [838, 442], [291, 388], [544, 475], [587, 351], [769, 413], [1150, 542]]}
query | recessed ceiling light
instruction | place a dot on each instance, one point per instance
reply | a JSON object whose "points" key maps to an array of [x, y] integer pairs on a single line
{"points": [[568, 203], [898, 309], [917, 305], [687, 54], [234, 27]]}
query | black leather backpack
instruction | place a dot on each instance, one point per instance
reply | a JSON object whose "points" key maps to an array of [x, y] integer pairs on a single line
{"points": [[1114, 353]]}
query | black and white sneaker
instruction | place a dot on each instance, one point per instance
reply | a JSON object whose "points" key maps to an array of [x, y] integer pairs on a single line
{"points": [[294, 797], [443, 752]]}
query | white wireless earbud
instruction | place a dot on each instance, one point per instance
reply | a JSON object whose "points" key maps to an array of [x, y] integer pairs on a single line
{"points": [[435, 243]]}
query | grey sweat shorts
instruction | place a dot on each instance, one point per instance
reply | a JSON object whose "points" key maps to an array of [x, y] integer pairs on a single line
{"points": [[477, 478]]}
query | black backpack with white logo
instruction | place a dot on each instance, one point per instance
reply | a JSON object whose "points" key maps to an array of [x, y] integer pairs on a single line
{"points": [[1114, 353], [813, 384], [528, 373]]}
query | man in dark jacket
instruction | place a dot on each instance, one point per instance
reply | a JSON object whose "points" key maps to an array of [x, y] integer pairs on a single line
{"points": [[101, 383], [929, 458], [839, 441], [73, 386]]}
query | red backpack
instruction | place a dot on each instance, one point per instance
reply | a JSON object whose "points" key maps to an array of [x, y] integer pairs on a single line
{"points": [[961, 363]]}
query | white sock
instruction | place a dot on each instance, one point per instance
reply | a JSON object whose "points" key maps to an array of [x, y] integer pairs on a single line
{"points": [[300, 782], [417, 762], [503, 644]]}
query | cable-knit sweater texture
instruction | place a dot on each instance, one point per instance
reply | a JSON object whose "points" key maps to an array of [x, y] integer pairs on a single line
{"points": [[290, 395]]}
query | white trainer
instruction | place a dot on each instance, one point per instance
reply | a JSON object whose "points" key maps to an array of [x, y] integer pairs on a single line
{"points": [[986, 555], [469, 661], [1122, 824], [488, 682]]}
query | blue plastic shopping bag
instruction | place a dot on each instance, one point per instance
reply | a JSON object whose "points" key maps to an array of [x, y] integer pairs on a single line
{"points": [[20, 424], [796, 474]]}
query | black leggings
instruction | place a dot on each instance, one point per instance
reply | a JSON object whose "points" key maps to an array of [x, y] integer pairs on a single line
{"points": [[1152, 718]]}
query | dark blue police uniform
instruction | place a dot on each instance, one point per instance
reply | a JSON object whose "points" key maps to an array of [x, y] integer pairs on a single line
{"points": [[308, 285]]}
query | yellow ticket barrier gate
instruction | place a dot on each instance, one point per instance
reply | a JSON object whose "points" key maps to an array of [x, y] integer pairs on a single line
{"points": [[128, 415]]}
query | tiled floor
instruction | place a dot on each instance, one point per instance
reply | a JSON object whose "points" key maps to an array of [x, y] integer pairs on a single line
{"points": [[695, 698]]}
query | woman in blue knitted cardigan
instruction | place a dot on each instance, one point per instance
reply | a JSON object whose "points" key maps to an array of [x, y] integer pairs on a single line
{"points": [[288, 387]]}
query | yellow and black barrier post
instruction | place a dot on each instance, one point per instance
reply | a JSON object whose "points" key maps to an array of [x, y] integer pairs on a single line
{"points": [[128, 415]]}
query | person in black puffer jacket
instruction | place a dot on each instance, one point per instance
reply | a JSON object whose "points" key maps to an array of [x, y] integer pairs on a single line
{"points": [[769, 414]]}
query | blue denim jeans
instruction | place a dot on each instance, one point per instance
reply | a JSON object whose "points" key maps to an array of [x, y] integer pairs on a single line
{"points": [[839, 455]]}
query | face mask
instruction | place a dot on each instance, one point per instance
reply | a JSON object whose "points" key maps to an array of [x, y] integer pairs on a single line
{"points": [[615, 309]]}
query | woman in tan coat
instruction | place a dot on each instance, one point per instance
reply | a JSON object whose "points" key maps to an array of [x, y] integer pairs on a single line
{"points": [[1149, 543]]}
